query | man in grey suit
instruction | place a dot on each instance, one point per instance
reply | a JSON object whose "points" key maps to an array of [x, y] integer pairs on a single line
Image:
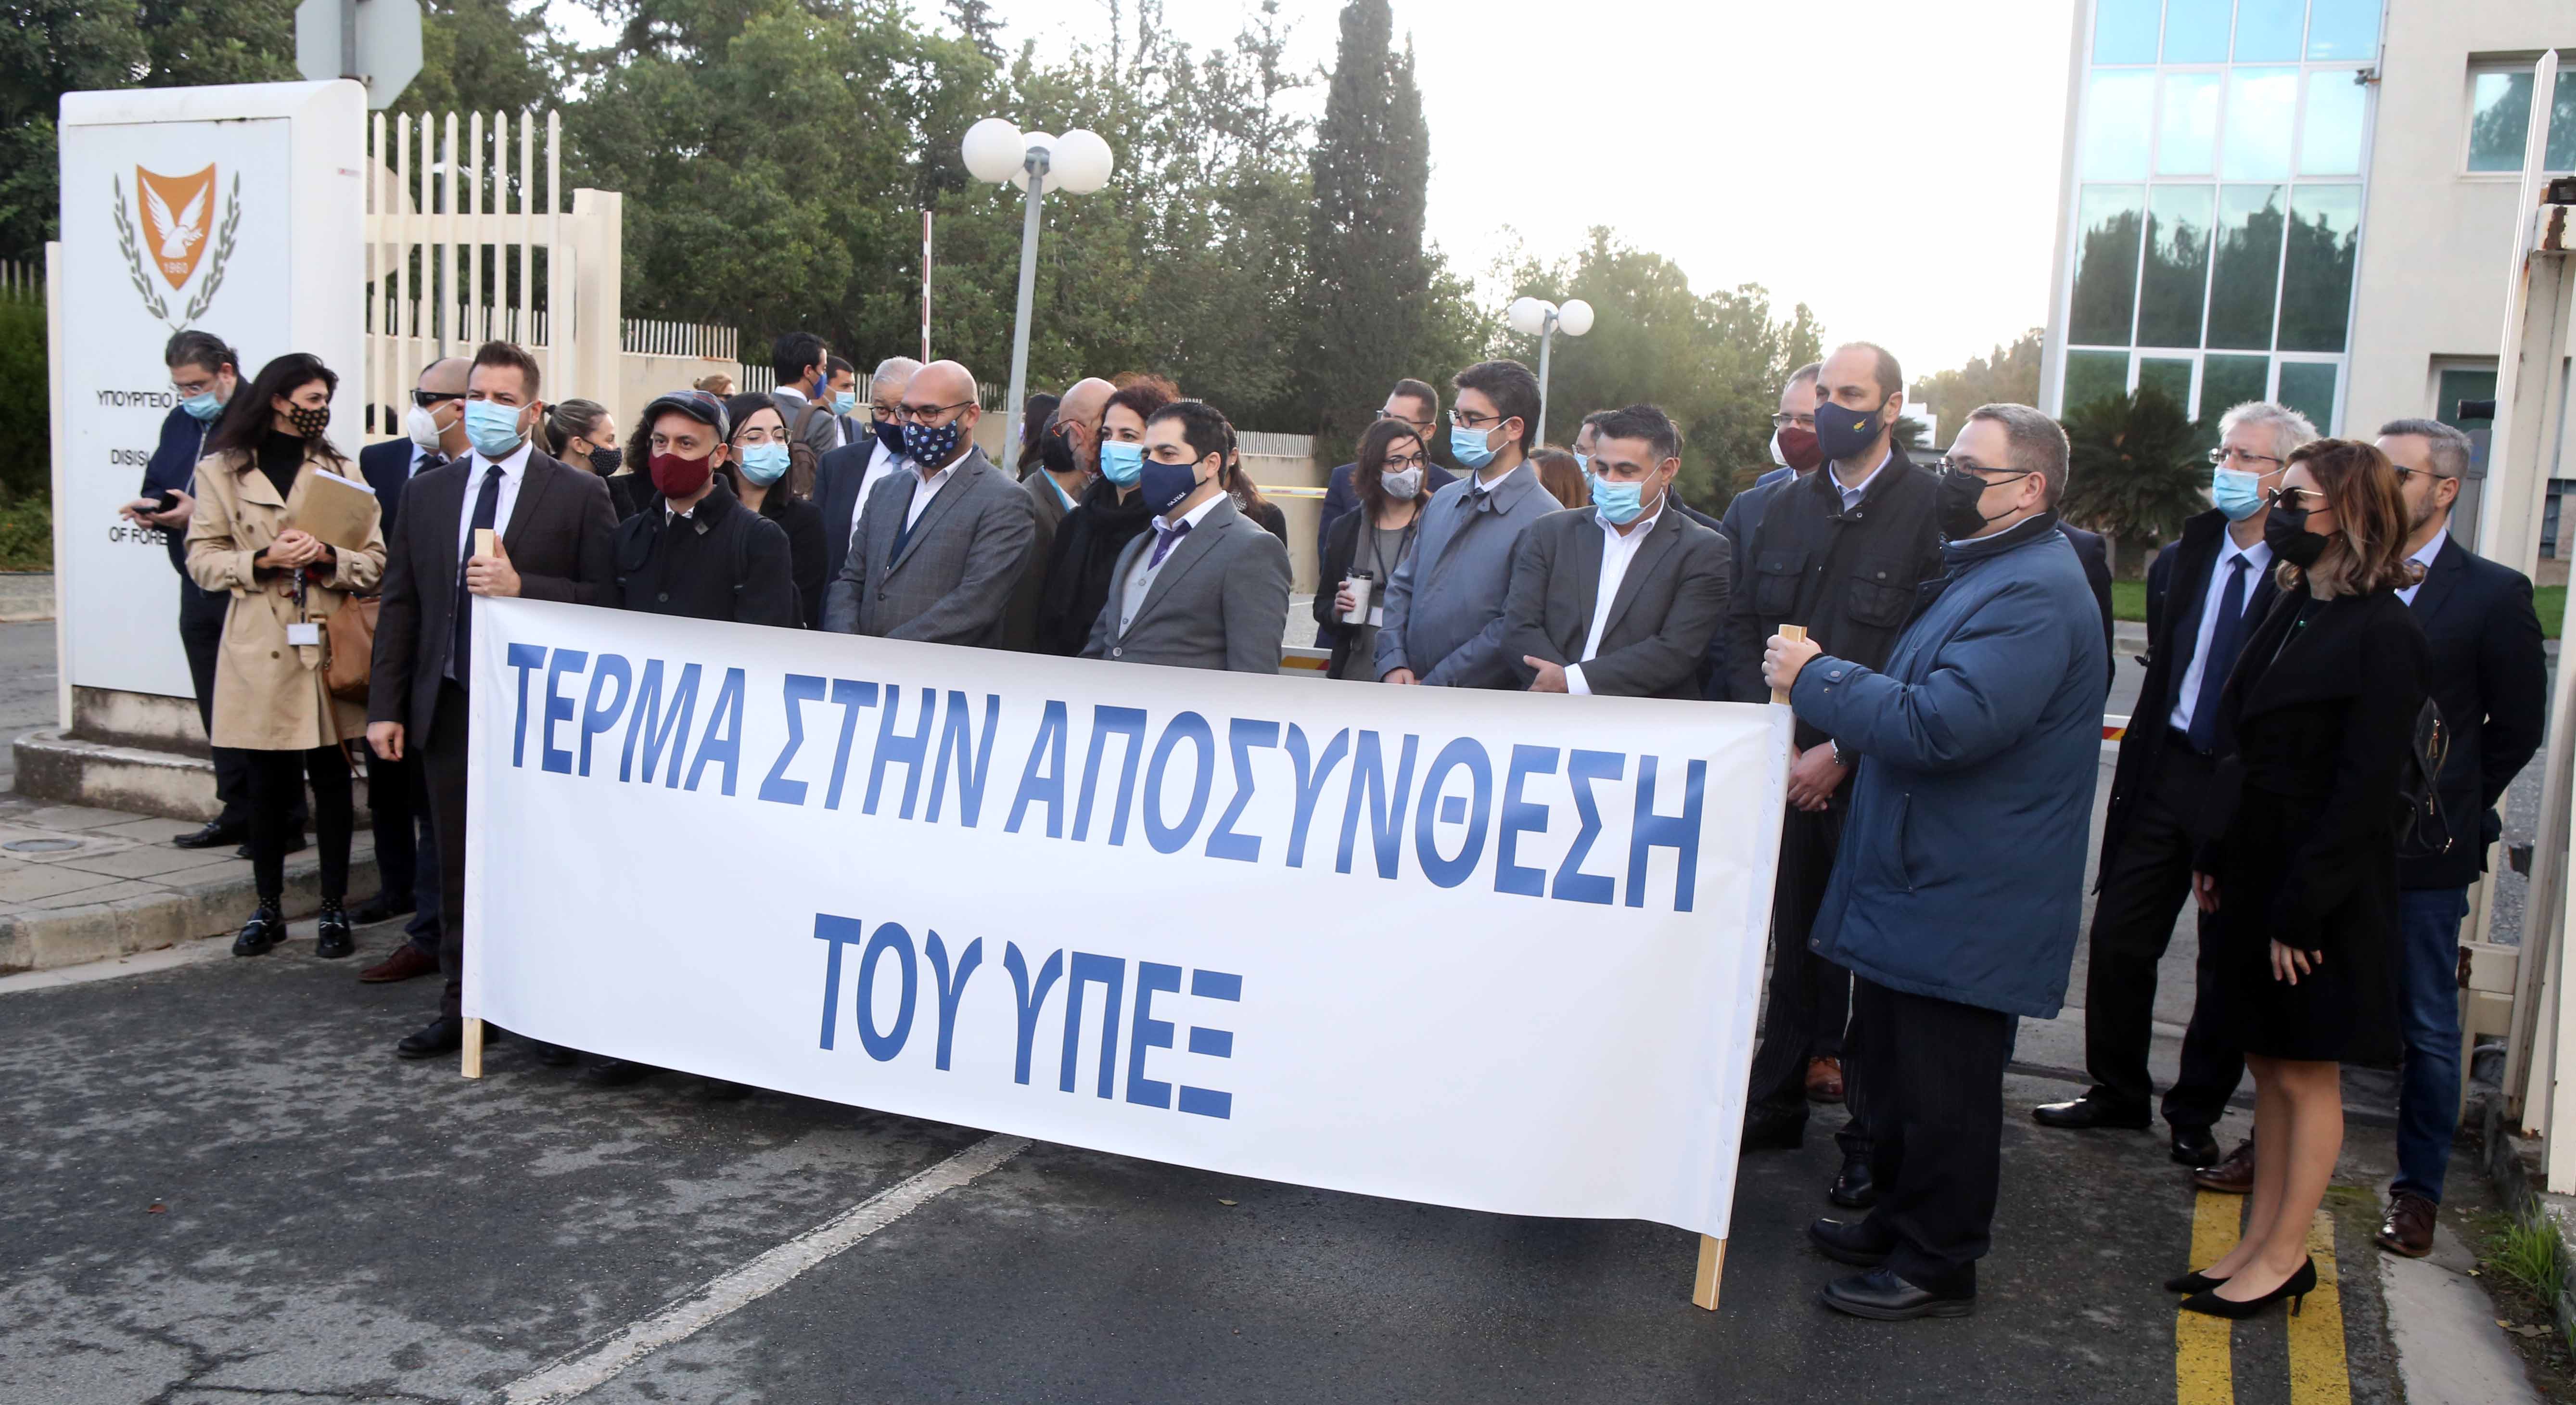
{"points": [[1620, 598], [1444, 609], [938, 548], [804, 376], [1207, 587]]}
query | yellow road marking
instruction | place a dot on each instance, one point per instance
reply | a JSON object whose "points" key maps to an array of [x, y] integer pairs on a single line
{"points": [[2318, 1375], [2204, 1370]]}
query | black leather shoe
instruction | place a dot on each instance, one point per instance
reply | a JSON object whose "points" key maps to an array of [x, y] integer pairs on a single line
{"points": [[215, 835], [2194, 1146], [261, 934], [1848, 1242], [1854, 1188], [331, 938], [1774, 1133], [553, 1055], [444, 1035], [383, 907], [1882, 1296], [617, 1073], [2089, 1112], [295, 846]]}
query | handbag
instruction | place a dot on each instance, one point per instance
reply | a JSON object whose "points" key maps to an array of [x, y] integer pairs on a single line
{"points": [[2422, 832], [350, 660]]}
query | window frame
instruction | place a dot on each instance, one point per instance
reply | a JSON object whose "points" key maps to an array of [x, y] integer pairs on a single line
{"points": [[2506, 63]]}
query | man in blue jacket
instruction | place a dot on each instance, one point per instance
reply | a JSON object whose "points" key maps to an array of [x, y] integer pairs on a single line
{"points": [[1961, 880]]}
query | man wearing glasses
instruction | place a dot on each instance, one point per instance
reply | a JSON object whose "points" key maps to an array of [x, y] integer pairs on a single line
{"points": [[1444, 609], [941, 544], [2205, 594], [1414, 404]]}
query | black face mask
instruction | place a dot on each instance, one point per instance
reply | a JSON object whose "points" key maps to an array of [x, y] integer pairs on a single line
{"points": [[1055, 451], [1842, 433], [2286, 532], [890, 434], [1960, 496], [606, 461]]}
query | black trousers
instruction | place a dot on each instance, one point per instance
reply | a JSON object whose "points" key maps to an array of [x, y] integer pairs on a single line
{"points": [[2142, 893], [1808, 1001], [1936, 1108], [393, 798], [201, 635], [276, 793], [442, 761]]}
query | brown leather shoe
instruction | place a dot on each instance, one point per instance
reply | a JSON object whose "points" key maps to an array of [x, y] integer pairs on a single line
{"points": [[2233, 1176], [406, 962], [2408, 1229], [1824, 1080]]}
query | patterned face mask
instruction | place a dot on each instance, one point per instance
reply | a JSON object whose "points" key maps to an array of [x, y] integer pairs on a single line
{"points": [[309, 421], [932, 444]]}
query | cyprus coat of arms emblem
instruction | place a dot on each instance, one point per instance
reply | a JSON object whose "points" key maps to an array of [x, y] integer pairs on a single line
{"points": [[172, 239]]}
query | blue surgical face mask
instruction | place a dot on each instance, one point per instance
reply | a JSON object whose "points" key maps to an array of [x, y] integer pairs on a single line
{"points": [[764, 464], [493, 428], [1582, 461], [2236, 493], [202, 407], [1468, 446], [845, 402], [1121, 463], [1619, 502]]}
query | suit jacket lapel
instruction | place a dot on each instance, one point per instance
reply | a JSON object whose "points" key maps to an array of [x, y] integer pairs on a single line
{"points": [[1650, 552], [1191, 550], [533, 482], [1583, 563], [2440, 580]]}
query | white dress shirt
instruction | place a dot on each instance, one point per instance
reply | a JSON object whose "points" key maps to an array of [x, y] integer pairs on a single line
{"points": [[1851, 495], [1140, 577], [881, 462], [924, 489], [2258, 559], [2424, 557], [1618, 549], [514, 471]]}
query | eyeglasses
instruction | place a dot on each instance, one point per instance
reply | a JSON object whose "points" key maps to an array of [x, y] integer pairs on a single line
{"points": [[1469, 419], [1950, 467], [431, 399], [924, 414], [1789, 421], [2224, 456], [1399, 463], [2405, 473]]}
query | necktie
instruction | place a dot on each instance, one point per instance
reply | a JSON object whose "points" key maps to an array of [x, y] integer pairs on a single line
{"points": [[2226, 640], [903, 533], [1167, 536], [487, 505]]}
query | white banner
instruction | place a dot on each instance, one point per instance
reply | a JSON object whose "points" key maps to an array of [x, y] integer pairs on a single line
{"points": [[1478, 949]]}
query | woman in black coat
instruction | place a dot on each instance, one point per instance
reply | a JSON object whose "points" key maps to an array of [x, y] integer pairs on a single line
{"points": [[1112, 512], [757, 475], [2301, 886], [1387, 478]]}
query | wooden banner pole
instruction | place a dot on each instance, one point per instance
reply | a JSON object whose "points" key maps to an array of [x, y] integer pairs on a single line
{"points": [[1712, 1252], [471, 1057]]}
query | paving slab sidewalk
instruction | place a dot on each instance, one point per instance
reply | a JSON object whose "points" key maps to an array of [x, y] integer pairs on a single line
{"points": [[79, 884]]}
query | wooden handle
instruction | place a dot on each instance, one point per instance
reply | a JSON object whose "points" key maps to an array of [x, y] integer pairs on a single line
{"points": [[1789, 631], [1712, 1262], [483, 546], [471, 1063]]}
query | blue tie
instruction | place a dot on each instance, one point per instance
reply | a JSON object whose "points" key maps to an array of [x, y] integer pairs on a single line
{"points": [[1167, 536], [2226, 640], [460, 657]]}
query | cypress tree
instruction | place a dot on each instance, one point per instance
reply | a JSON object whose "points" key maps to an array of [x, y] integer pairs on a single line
{"points": [[1368, 289]]}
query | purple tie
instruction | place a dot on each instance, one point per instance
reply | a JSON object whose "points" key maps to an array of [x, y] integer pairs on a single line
{"points": [[1167, 536]]}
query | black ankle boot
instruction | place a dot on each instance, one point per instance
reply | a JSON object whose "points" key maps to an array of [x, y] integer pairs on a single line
{"points": [[265, 929], [333, 942]]}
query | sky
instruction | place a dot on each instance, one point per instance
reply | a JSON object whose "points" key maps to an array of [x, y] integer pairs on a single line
{"points": [[1892, 165]]}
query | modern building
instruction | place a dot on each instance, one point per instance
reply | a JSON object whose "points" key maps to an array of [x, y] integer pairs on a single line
{"points": [[2299, 200]]}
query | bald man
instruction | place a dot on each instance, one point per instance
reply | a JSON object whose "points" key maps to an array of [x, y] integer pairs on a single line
{"points": [[1069, 451], [942, 543]]}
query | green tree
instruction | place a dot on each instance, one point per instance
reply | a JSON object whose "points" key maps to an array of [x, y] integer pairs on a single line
{"points": [[2010, 376], [485, 56], [2132, 473]]}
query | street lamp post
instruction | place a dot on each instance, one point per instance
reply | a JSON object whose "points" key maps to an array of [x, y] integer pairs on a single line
{"points": [[1077, 163], [1537, 317]]}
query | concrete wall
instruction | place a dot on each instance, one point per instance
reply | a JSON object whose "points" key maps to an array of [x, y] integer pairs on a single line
{"points": [[641, 376]]}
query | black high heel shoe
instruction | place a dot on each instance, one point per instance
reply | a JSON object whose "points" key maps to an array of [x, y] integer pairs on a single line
{"points": [[2192, 1282], [332, 940], [2296, 1288]]}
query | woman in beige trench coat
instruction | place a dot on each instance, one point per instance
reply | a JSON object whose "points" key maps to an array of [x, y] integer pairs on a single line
{"points": [[271, 699]]}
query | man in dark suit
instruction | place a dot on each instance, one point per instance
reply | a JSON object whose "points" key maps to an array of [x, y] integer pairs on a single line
{"points": [[1418, 405], [1619, 599], [844, 477], [1794, 454], [1207, 587], [941, 546], [2205, 594], [2490, 677], [406, 841], [801, 360], [554, 528]]}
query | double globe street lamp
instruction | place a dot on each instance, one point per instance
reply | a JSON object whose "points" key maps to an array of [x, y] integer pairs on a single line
{"points": [[1537, 317], [1077, 163]]}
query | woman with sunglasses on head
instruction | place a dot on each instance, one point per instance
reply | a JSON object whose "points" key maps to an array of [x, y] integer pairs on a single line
{"points": [[2317, 727], [758, 476], [1364, 547]]}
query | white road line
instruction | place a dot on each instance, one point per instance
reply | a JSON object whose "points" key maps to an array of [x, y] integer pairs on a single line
{"points": [[588, 1369]]}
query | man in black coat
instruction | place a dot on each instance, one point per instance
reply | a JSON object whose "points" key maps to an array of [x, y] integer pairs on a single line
{"points": [[844, 477], [699, 552], [2489, 675], [554, 531], [2205, 594], [1840, 552]]}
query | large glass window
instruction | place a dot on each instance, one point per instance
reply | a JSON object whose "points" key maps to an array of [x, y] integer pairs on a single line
{"points": [[2309, 388], [2187, 130], [2262, 112], [2342, 29], [2095, 375], [2500, 120], [2108, 223], [2268, 31], [2330, 137], [2119, 114], [2248, 261], [2196, 30], [2177, 267], [2316, 277], [2229, 381], [2124, 31], [2169, 375]]}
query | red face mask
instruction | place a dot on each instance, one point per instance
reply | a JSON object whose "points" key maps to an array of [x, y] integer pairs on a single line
{"points": [[1799, 447], [676, 477]]}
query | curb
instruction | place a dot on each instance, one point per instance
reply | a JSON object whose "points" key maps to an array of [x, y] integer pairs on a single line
{"points": [[72, 936], [2511, 1176]]}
